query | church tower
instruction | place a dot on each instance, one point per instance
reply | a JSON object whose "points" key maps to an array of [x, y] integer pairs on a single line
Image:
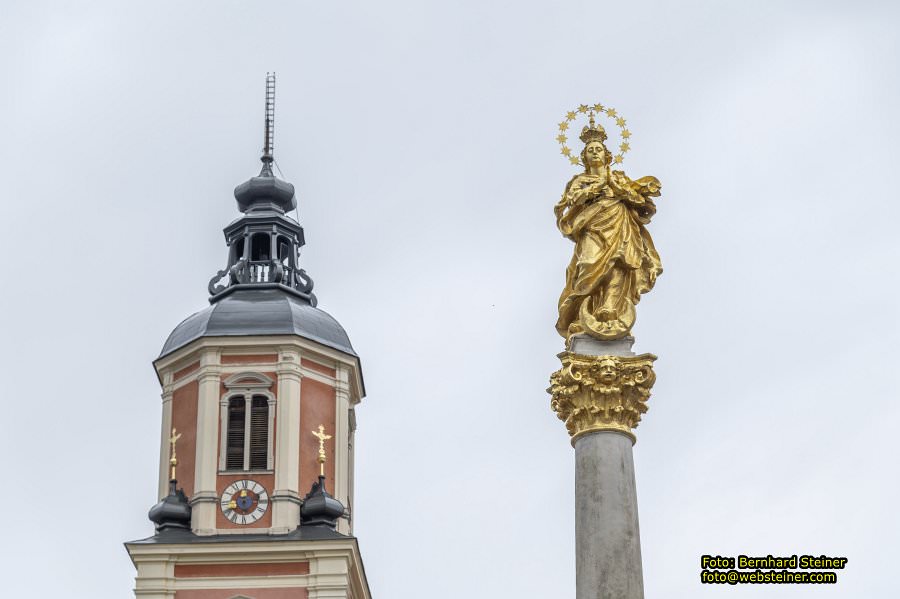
{"points": [[258, 398]]}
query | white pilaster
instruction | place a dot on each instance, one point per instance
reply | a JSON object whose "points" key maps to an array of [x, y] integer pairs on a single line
{"points": [[223, 431], [270, 451], [351, 465], [342, 441], [168, 389], [204, 498], [155, 578], [285, 497], [329, 578]]}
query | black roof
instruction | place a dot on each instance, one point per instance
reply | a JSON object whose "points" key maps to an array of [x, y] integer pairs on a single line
{"points": [[260, 311], [302, 533]]}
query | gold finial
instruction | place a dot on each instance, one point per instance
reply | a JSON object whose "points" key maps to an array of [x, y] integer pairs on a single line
{"points": [[322, 437], [173, 461]]}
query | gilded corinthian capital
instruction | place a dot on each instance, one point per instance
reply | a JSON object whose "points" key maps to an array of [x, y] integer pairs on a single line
{"points": [[601, 393]]}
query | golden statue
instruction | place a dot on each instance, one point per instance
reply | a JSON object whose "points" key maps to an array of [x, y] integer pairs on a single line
{"points": [[604, 213]]}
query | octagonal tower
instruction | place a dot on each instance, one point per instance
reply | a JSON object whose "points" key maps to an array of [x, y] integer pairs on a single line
{"points": [[246, 384]]}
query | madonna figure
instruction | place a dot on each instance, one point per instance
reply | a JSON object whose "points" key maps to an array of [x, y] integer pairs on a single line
{"points": [[604, 213]]}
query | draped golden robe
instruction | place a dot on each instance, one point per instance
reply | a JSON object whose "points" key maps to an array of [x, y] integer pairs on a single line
{"points": [[614, 261]]}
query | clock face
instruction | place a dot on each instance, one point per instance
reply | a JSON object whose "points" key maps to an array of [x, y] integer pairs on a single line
{"points": [[244, 501]]}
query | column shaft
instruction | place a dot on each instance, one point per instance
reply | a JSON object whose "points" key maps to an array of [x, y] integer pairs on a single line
{"points": [[607, 537]]}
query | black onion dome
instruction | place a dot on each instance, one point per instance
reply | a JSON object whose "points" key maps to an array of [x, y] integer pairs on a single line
{"points": [[265, 192], [256, 311], [319, 507], [173, 512]]}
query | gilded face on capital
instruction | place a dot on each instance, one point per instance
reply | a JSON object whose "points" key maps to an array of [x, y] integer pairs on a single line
{"points": [[595, 154], [607, 371]]}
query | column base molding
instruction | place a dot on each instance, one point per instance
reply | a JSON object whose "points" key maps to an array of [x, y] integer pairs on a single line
{"points": [[287, 495]]}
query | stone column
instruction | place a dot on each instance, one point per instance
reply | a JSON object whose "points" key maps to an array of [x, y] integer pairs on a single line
{"points": [[286, 496], [607, 538], [600, 393]]}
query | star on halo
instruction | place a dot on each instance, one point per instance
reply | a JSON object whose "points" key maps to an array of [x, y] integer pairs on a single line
{"points": [[593, 110]]}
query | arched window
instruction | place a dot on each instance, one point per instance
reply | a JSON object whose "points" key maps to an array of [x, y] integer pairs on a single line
{"points": [[247, 421]]}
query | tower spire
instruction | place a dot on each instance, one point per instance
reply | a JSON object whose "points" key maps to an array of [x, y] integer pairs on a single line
{"points": [[269, 135], [264, 244]]}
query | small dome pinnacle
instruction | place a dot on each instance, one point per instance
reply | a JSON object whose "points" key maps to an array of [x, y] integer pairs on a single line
{"points": [[173, 512], [320, 508]]}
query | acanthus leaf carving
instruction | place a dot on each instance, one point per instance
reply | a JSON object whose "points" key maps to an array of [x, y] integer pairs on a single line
{"points": [[596, 393]]}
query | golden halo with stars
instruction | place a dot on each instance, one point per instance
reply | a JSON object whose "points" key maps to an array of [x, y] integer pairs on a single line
{"points": [[591, 110]]}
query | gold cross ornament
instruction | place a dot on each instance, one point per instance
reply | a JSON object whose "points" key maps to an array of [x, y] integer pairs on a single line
{"points": [[322, 437], [173, 461]]}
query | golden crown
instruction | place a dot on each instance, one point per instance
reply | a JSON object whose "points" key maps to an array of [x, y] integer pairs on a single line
{"points": [[592, 132]]}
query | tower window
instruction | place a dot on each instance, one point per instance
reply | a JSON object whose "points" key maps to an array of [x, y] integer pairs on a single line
{"points": [[284, 251], [258, 447], [247, 435], [237, 417], [260, 247], [238, 250], [247, 423]]}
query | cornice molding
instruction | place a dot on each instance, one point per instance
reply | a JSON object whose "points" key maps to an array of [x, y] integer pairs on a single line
{"points": [[256, 345]]}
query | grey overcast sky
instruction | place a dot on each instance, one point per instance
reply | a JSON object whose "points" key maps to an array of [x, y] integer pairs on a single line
{"points": [[420, 137]]}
